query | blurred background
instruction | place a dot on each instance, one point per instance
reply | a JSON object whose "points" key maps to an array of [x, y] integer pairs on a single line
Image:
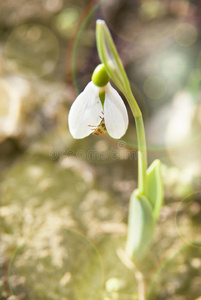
{"points": [[64, 202]]}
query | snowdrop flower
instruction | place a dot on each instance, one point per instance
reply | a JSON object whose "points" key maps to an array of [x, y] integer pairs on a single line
{"points": [[99, 108]]}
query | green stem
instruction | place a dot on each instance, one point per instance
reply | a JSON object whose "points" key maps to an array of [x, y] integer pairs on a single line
{"points": [[142, 148], [142, 155]]}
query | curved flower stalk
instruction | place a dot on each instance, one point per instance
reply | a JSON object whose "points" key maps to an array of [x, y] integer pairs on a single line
{"points": [[146, 201], [99, 108], [114, 67]]}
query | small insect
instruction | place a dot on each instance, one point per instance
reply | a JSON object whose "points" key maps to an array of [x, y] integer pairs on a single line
{"points": [[101, 129]]}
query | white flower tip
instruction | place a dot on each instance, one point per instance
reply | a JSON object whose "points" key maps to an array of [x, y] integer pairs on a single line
{"points": [[78, 131], [100, 22], [117, 135], [77, 137]]}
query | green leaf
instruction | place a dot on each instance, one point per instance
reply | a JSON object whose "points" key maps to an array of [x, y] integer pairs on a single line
{"points": [[140, 227], [109, 56], [155, 187]]}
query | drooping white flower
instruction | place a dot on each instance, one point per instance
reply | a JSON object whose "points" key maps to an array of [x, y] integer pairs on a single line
{"points": [[87, 112]]}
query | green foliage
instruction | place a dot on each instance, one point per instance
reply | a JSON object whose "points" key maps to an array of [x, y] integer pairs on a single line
{"points": [[109, 56], [140, 227], [155, 187]]}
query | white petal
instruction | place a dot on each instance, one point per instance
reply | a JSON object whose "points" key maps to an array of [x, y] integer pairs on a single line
{"points": [[85, 111], [115, 113]]}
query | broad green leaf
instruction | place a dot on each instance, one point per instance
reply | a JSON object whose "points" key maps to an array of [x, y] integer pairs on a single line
{"points": [[155, 187], [140, 227], [109, 56]]}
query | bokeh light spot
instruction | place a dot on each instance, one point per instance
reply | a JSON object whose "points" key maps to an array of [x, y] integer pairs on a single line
{"points": [[174, 65], [53, 5], [187, 219], [179, 128], [32, 50], [66, 21], [185, 34], [151, 9], [155, 87]]}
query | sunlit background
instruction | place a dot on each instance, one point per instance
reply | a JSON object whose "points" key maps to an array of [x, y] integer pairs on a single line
{"points": [[64, 202]]}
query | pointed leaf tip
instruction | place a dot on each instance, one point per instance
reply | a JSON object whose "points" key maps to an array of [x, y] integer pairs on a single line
{"points": [[100, 22], [109, 56], [155, 187]]}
